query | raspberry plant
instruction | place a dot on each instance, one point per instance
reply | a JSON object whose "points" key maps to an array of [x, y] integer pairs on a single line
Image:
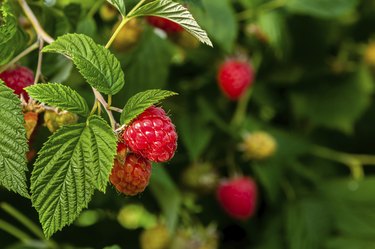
{"points": [[77, 159], [276, 155]]}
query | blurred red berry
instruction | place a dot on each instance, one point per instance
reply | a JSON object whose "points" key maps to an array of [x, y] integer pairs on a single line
{"points": [[164, 24], [238, 197], [132, 176], [152, 135], [234, 78], [17, 79]]}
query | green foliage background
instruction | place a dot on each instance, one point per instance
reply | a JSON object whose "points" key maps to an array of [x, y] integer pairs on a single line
{"points": [[313, 92]]}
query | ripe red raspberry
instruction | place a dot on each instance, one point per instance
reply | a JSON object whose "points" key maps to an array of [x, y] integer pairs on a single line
{"points": [[234, 77], [132, 176], [152, 135], [164, 24], [238, 197], [17, 79]]}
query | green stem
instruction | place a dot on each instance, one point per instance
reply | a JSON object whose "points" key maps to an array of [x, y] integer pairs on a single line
{"points": [[94, 107], [116, 109], [118, 29], [241, 109], [231, 165], [353, 162], [109, 101], [38, 72], [125, 19], [102, 101], [23, 219], [12, 230]]}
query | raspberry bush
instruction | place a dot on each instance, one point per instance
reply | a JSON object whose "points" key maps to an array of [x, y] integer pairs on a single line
{"points": [[187, 124]]}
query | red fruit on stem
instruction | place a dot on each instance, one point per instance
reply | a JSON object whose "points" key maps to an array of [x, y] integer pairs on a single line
{"points": [[164, 24], [152, 135], [235, 77], [17, 79], [132, 176], [238, 197]]}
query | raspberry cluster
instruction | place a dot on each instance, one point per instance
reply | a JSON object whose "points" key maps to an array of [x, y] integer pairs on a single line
{"points": [[151, 137]]}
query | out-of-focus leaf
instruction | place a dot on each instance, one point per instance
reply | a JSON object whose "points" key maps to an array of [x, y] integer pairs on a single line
{"points": [[167, 195], [274, 27], [56, 68], [307, 224], [336, 105], [54, 21], [218, 18], [87, 26], [153, 54], [194, 134], [350, 243], [352, 206], [322, 8]]}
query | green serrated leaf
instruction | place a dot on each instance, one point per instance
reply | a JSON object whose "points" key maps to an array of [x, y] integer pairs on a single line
{"points": [[97, 64], [8, 23], [60, 96], [120, 5], [103, 144], [12, 47], [141, 101], [176, 13], [13, 146], [74, 161]]}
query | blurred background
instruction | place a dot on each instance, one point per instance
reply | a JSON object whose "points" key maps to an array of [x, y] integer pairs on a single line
{"points": [[303, 130]]}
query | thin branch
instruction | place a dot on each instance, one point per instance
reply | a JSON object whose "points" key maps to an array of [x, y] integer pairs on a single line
{"points": [[34, 22], [40, 59], [116, 109], [102, 101]]}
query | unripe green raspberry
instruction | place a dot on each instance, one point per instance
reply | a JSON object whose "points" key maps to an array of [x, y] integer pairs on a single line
{"points": [[197, 237], [157, 237], [134, 216], [258, 145], [201, 177], [54, 120]]}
